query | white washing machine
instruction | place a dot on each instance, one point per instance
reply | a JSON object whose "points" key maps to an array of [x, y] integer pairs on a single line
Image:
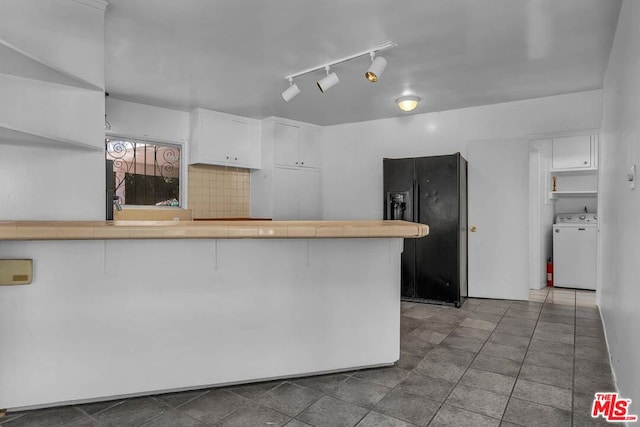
{"points": [[575, 250]]}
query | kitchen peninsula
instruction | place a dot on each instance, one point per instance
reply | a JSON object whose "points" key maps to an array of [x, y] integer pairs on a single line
{"points": [[140, 307]]}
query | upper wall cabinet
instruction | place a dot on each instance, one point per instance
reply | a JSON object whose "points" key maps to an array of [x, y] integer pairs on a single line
{"points": [[224, 139], [575, 152], [296, 145]]}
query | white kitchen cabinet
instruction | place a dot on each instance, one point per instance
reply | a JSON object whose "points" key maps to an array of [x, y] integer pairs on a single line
{"points": [[296, 145], [285, 188], [574, 166], [309, 148], [224, 139], [296, 194], [286, 144], [575, 152], [309, 205]]}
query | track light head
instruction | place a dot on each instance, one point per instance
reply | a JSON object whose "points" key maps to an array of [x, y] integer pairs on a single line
{"points": [[327, 82], [407, 103], [378, 64], [291, 92]]}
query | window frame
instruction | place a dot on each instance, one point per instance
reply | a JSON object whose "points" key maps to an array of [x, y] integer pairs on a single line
{"points": [[184, 165]]}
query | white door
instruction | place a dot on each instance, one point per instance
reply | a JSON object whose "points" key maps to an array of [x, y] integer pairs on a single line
{"points": [[286, 140], [310, 147], [498, 195], [285, 194], [309, 195]]}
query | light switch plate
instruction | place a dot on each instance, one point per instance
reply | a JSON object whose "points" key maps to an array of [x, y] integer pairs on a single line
{"points": [[16, 272]]}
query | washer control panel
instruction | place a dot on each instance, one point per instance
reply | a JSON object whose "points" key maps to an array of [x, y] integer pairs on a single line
{"points": [[577, 218]]}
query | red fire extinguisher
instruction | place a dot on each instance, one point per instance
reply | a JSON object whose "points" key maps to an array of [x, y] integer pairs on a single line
{"points": [[549, 272]]}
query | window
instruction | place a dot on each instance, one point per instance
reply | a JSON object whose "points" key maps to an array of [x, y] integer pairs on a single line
{"points": [[145, 173]]}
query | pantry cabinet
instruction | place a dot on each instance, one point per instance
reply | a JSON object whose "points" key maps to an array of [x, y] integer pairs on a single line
{"points": [[224, 140], [296, 194], [288, 186], [296, 145]]}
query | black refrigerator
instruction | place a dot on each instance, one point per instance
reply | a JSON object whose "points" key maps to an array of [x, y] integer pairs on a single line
{"points": [[110, 186], [432, 191]]}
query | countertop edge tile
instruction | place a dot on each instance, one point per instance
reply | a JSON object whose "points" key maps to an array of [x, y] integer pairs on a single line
{"points": [[108, 230]]}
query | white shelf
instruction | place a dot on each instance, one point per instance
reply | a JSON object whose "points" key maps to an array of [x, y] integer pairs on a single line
{"points": [[559, 194], [12, 136], [15, 62], [573, 170]]}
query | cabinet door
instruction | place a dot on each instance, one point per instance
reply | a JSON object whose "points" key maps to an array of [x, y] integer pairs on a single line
{"points": [[310, 153], [285, 194], [309, 194], [286, 140], [244, 143], [209, 141], [218, 139], [572, 152]]}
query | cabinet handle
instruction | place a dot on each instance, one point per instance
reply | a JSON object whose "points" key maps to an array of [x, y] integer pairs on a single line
{"points": [[227, 157], [235, 158], [302, 163], [296, 163], [586, 162]]}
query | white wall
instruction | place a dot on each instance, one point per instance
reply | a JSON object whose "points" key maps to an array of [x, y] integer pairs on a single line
{"points": [[619, 206], [352, 153], [38, 181]]}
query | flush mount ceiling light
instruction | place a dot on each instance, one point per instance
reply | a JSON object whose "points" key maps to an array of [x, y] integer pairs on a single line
{"points": [[376, 69], [291, 92], [407, 103], [326, 83], [373, 73]]}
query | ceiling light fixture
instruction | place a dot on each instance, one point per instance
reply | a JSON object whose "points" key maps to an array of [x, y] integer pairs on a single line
{"points": [[326, 83], [376, 69], [407, 103], [291, 92]]}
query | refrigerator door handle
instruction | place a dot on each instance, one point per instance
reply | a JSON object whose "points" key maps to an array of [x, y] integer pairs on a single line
{"points": [[416, 201]]}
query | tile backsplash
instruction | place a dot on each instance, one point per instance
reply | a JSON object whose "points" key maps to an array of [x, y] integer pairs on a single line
{"points": [[218, 191]]}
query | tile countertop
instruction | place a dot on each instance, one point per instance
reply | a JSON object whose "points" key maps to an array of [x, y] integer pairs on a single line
{"points": [[106, 230]]}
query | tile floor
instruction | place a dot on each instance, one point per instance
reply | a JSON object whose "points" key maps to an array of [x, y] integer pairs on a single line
{"points": [[489, 363]]}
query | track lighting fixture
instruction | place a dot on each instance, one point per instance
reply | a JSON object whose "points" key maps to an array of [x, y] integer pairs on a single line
{"points": [[291, 92], [378, 64], [407, 103], [326, 83], [376, 69]]}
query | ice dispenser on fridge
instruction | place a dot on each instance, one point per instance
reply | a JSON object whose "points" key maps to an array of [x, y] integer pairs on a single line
{"points": [[399, 205]]}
